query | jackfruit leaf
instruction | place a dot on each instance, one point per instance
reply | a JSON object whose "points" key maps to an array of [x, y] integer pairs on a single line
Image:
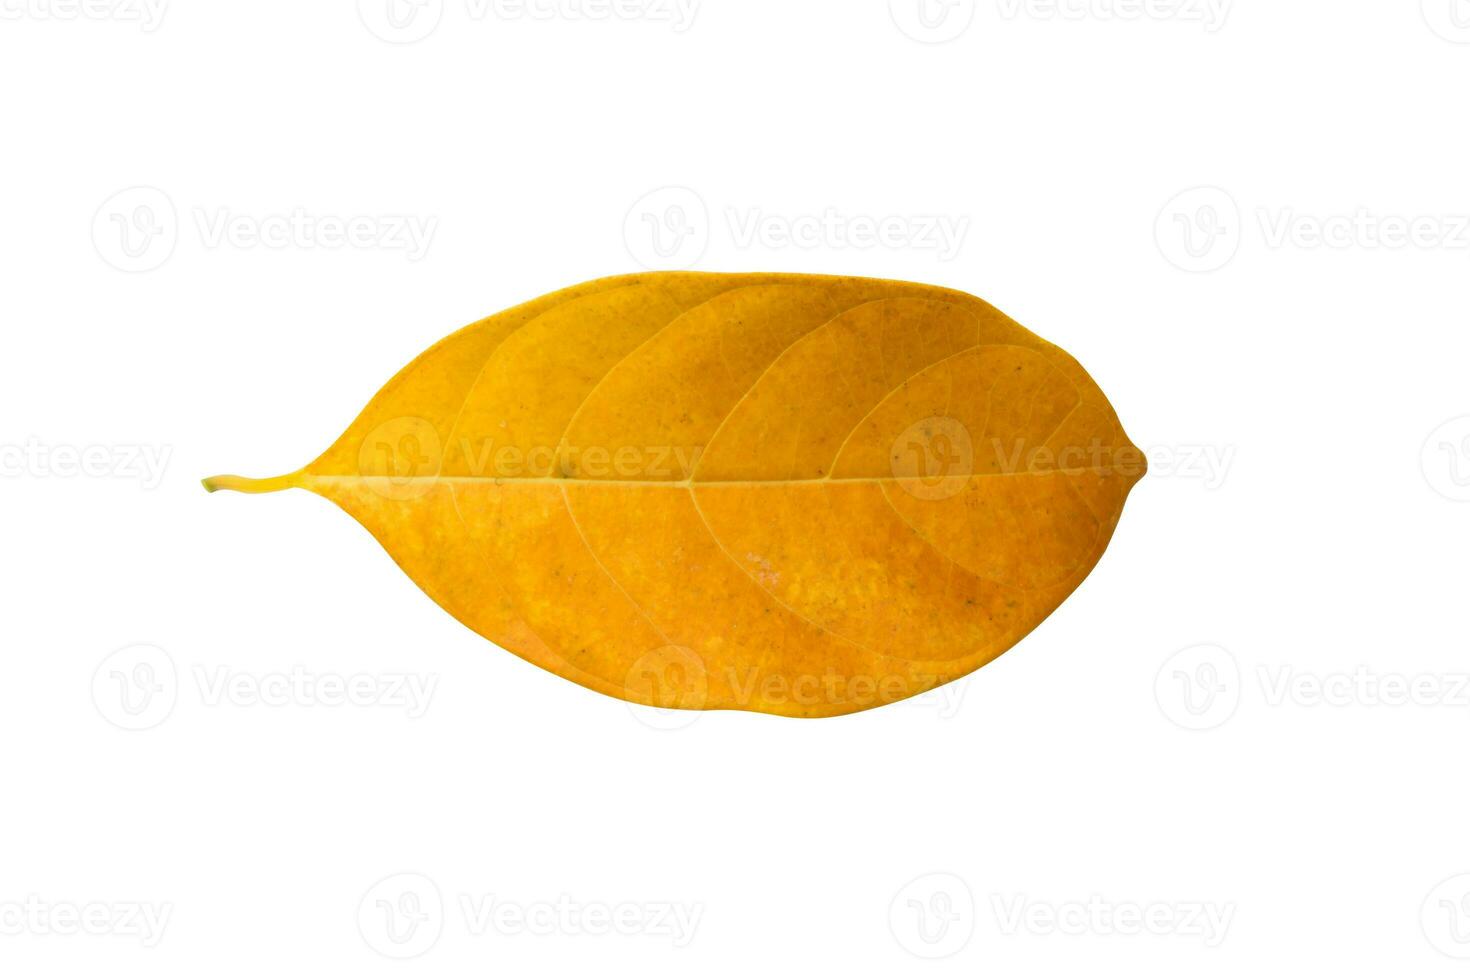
{"points": [[801, 495]]}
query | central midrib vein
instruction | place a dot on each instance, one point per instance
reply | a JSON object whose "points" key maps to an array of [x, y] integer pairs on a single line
{"points": [[813, 481]]}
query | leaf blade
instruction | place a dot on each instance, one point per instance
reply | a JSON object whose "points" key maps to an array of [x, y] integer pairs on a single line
{"points": [[801, 495]]}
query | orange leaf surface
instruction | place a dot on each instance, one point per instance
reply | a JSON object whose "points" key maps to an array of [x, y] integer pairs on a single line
{"points": [[803, 495]]}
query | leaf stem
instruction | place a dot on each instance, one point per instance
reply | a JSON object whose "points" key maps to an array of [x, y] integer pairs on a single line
{"points": [[245, 484]]}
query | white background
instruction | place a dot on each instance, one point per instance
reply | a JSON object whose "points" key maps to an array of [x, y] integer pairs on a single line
{"points": [[1299, 530]]}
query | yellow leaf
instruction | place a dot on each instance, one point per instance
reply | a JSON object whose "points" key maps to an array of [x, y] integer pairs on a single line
{"points": [[803, 495]]}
